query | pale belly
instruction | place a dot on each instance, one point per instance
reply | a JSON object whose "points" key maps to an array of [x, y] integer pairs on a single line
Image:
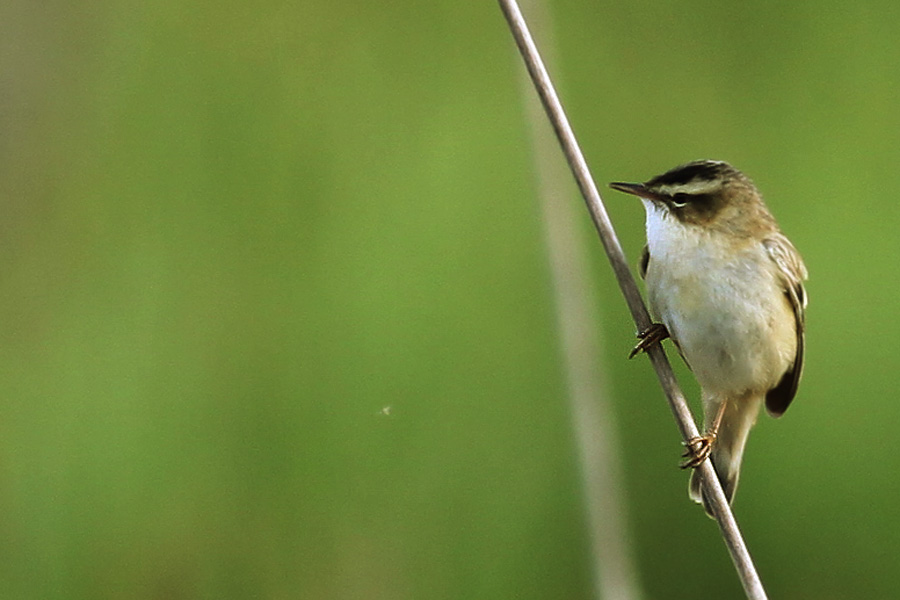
{"points": [[734, 325]]}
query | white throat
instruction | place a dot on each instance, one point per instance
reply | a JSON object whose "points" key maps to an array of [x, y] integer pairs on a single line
{"points": [[666, 235]]}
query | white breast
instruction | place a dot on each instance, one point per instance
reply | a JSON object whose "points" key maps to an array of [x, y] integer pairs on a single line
{"points": [[722, 302]]}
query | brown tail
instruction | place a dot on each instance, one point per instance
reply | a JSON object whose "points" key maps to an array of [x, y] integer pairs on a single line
{"points": [[728, 449]]}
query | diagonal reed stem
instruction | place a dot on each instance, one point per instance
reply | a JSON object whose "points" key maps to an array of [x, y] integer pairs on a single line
{"points": [[721, 510], [591, 413]]}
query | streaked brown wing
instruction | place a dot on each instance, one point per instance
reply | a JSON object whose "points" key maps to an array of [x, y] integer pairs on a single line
{"points": [[793, 273]]}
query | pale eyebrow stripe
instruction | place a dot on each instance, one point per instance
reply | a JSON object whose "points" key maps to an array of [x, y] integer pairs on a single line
{"points": [[696, 186]]}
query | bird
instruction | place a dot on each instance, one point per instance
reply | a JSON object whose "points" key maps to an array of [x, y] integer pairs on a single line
{"points": [[726, 285]]}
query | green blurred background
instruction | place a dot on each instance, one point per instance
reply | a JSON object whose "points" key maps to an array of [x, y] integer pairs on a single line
{"points": [[276, 317]]}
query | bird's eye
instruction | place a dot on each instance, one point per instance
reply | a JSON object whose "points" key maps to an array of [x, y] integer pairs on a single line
{"points": [[680, 200]]}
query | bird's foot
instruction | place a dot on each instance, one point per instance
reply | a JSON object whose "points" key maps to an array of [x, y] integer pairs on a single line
{"points": [[697, 450], [654, 334]]}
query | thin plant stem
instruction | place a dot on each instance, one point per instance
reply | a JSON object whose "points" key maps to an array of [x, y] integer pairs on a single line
{"points": [[593, 420], [721, 510]]}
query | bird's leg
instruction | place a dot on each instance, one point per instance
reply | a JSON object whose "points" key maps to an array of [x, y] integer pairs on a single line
{"points": [[697, 449], [654, 334]]}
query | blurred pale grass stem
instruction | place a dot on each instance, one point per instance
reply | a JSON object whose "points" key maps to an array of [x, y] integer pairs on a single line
{"points": [[720, 508], [592, 418]]}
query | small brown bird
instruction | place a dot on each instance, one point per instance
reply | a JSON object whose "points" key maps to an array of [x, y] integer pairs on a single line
{"points": [[727, 286]]}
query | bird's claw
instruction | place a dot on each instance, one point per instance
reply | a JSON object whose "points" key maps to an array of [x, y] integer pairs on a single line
{"points": [[654, 334], [697, 450]]}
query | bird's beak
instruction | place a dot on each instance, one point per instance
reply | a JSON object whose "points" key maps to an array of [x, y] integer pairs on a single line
{"points": [[636, 189]]}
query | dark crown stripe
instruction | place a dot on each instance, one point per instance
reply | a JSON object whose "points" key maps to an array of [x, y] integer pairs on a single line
{"points": [[705, 170]]}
